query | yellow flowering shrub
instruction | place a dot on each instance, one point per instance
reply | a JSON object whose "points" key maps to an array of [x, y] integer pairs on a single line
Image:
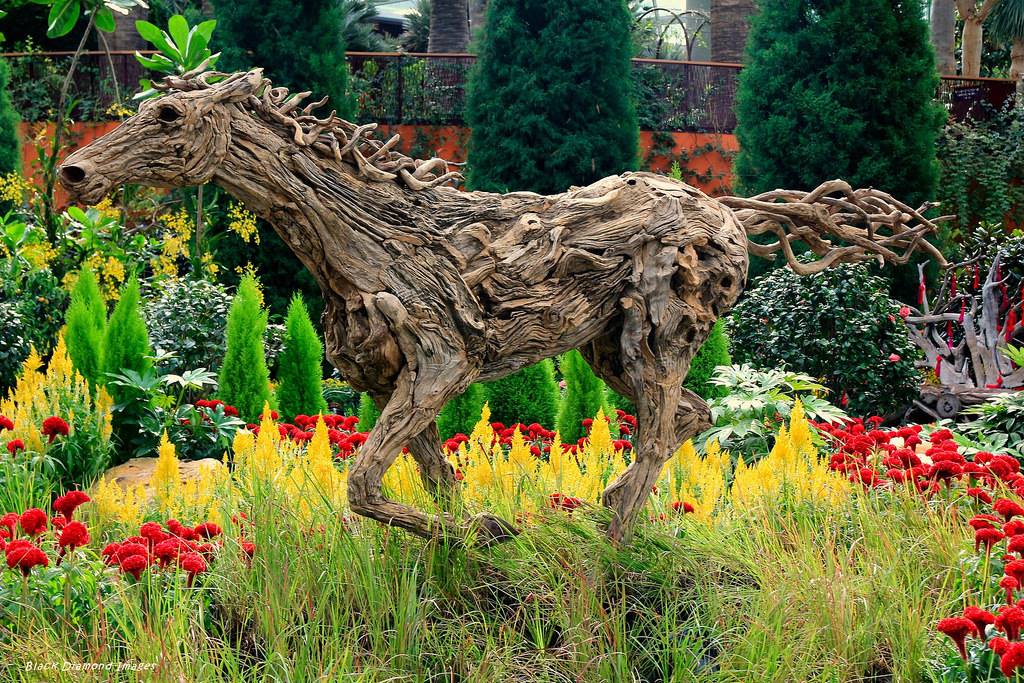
{"points": [[242, 222], [14, 188]]}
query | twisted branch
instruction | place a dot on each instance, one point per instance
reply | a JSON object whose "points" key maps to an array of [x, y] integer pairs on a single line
{"points": [[873, 224]]}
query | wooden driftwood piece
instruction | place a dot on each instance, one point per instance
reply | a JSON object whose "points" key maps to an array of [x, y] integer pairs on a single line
{"points": [[429, 289], [964, 330]]}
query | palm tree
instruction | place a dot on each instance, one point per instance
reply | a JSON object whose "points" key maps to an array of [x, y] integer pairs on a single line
{"points": [[1007, 24], [973, 15], [943, 30], [449, 26], [729, 22]]}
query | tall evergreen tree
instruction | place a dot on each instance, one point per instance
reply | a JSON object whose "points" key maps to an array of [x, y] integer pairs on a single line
{"points": [[299, 43], [126, 341], [10, 149], [549, 101], [527, 396], [86, 322], [584, 396], [462, 413], [244, 378], [839, 89], [300, 366]]}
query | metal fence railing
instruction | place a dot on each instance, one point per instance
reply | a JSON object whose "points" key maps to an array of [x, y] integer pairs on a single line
{"points": [[430, 89]]}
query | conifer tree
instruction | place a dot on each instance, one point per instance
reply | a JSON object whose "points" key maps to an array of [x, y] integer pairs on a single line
{"points": [[712, 353], [529, 395], [839, 89], [584, 396], [10, 148], [550, 99], [125, 341], [299, 43], [244, 378], [368, 412], [300, 369], [86, 321], [461, 414]]}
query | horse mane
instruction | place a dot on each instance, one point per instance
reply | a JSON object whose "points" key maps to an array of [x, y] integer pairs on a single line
{"points": [[332, 137]]}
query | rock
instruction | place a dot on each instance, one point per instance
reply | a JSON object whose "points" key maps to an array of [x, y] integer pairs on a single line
{"points": [[139, 471]]}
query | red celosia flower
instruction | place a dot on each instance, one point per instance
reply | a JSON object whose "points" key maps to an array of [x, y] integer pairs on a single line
{"points": [[24, 555], [680, 506], [980, 617], [560, 501], [1016, 545], [1009, 584], [54, 427], [249, 548], [1014, 527], [1008, 508], [134, 565], [69, 502], [957, 628], [153, 533], [74, 535], [6, 423], [10, 520], [194, 564], [999, 645], [1012, 659], [984, 522], [15, 445], [988, 537], [33, 521], [1009, 620], [167, 551], [109, 553], [207, 530], [979, 494]]}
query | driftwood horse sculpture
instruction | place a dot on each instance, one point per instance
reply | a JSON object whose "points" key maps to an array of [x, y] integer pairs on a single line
{"points": [[429, 288]]}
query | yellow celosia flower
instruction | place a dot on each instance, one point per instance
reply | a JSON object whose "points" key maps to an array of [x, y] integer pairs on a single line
{"points": [[116, 505], [166, 481]]}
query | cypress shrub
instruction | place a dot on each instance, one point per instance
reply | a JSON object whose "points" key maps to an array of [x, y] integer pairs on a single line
{"points": [[462, 413], [10, 148], [584, 395], [86, 321], [823, 98], [368, 413], [529, 395], [534, 127], [299, 43], [125, 342], [713, 352], [299, 367], [244, 378]]}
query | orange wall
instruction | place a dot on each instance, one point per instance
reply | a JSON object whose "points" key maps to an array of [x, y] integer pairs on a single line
{"points": [[707, 156]]}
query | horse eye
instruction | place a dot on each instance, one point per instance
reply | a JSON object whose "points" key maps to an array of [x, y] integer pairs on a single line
{"points": [[168, 114]]}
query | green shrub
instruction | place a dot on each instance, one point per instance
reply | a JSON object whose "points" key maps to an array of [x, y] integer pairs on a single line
{"points": [[10, 148], [584, 396], [838, 325], [244, 378], [529, 395], [300, 366], [43, 302], [998, 424], [14, 345], [534, 126], [86, 326], [188, 318], [368, 413], [461, 414], [125, 341], [712, 353]]}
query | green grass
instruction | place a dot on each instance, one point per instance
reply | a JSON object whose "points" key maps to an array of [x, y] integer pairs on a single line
{"points": [[805, 594]]}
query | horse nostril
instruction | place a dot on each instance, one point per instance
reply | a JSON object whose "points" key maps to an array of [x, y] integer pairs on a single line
{"points": [[72, 174]]}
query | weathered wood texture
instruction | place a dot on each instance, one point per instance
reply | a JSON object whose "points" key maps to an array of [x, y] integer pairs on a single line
{"points": [[429, 288]]}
